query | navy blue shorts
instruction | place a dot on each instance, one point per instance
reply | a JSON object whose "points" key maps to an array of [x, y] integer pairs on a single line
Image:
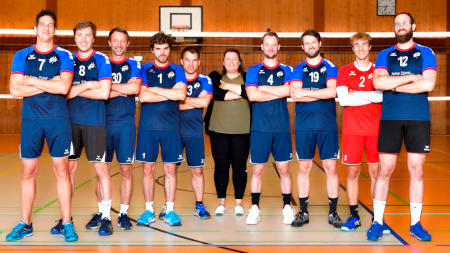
{"points": [[326, 140], [264, 143], [56, 132], [122, 140], [195, 150], [148, 142]]}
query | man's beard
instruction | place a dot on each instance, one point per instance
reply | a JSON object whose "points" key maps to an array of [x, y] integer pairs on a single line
{"points": [[270, 56], [313, 55], [404, 38]]}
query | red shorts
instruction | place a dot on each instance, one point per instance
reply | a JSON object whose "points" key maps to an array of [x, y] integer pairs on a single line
{"points": [[353, 148]]}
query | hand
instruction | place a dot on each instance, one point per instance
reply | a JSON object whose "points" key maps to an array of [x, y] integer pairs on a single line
{"points": [[27, 80], [56, 78], [92, 85], [223, 85], [350, 92], [203, 94]]}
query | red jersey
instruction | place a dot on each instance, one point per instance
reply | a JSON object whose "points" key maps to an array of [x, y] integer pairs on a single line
{"points": [[364, 119]]}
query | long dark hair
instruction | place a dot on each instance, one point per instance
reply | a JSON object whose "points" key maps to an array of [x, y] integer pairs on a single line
{"points": [[233, 50]]}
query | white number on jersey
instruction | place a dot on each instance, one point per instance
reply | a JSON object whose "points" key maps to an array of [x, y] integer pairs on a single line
{"points": [[189, 92], [42, 64], [403, 61], [314, 77], [82, 70], [270, 79], [160, 78], [363, 79], [117, 77]]}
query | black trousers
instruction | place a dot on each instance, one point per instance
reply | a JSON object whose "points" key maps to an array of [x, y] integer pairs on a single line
{"points": [[230, 149]]}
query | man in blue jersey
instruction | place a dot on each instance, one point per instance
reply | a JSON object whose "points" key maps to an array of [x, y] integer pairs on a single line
{"points": [[267, 86], [406, 73], [120, 120], [42, 75], [198, 96], [86, 100], [313, 88], [163, 86]]}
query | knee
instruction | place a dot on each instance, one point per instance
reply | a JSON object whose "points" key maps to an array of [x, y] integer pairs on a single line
{"points": [[385, 172], [149, 169], [127, 172], [304, 170], [170, 170], [28, 174], [416, 172], [258, 171], [284, 172], [197, 172], [352, 174]]}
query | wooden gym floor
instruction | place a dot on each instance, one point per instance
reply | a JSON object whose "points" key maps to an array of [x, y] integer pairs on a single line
{"points": [[227, 233]]}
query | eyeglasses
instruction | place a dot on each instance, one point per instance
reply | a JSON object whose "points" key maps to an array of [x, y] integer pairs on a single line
{"points": [[404, 23]]}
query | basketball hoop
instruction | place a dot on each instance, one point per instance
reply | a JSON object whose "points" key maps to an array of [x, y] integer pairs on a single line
{"points": [[179, 29]]}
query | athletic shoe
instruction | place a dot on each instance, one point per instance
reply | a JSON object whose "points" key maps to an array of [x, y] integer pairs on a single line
{"points": [[386, 229], [238, 210], [68, 232], [220, 210], [200, 211], [95, 221], [172, 219], [105, 227], [124, 222], [162, 214], [146, 218], [288, 215], [351, 224], [19, 231], [300, 219], [335, 220], [253, 216], [56, 230], [419, 232], [375, 232]]}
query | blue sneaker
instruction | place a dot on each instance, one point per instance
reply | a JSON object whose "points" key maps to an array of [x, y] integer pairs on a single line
{"points": [[105, 227], [419, 232], [95, 221], [351, 224], [19, 231], [162, 214], [56, 230], [172, 219], [375, 232], [146, 218], [200, 211], [68, 232], [386, 229]]}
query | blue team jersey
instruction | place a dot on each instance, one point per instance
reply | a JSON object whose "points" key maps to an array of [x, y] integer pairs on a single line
{"points": [[399, 105], [162, 115], [269, 116], [192, 120], [86, 111], [319, 114], [45, 66], [122, 109]]}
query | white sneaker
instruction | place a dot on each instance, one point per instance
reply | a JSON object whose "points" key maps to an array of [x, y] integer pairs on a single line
{"points": [[288, 215], [239, 210], [220, 210], [253, 216]]}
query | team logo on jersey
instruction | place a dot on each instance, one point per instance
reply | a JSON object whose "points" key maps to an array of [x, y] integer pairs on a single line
{"points": [[152, 71], [426, 148], [323, 69], [98, 158], [352, 73], [53, 59], [370, 76], [393, 54], [129, 160], [202, 161], [143, 155], [180, 157], [261, 71], [171, 75], [290, 155], [31, 57], [124, 68], [196, 85], [305, 69], [280, 73], [416, 54], [91, 66], [66, 151]]}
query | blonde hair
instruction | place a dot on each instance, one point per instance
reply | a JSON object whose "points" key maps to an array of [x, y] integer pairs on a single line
{"points": [[361, 36]]}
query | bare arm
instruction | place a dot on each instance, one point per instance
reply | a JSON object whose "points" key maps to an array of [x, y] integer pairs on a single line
{"points": [[176, 93], [17, 89], [231, 96], [280, 91], [234, 88], [202, 101], [297, 93], [256, 95], [383, 81], [114, 94], [91, 89], [426, 84], [325, 93], [57, 85], [132, 87], [146, 96]]}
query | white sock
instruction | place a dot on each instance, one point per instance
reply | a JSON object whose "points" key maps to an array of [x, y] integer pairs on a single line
{"points": [[106, 213], [124, 208], [100, 207], [149, 206], [169, 206], [378, 210], [416, 211]]}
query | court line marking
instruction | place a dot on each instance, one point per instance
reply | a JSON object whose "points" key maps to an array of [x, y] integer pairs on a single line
{"points": [[224, 245], [405, 243]]}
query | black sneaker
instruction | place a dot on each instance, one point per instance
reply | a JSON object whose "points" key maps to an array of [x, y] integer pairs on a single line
{"points": [[335, 220], [300, 219], [56, 230], [124, 222], [94, 223], [105, 227]]}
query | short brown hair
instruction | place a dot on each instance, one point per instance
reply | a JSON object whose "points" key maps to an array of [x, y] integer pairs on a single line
{"points": [[84, 24], [161, 38], [119, 30], [361, 36], [269, 33]]}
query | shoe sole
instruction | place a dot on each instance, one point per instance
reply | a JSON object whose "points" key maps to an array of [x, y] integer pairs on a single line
{"points": [[299, 224], [203, 218], [106, 234], [219, 214], [145, 224], [92, 228], [69, 240], [374, 239], [20, 238], [386, 232], [239, 214], [54, 232], [174, 224], [345, 229], [413, 235], [124, 228], [253, 223]]}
